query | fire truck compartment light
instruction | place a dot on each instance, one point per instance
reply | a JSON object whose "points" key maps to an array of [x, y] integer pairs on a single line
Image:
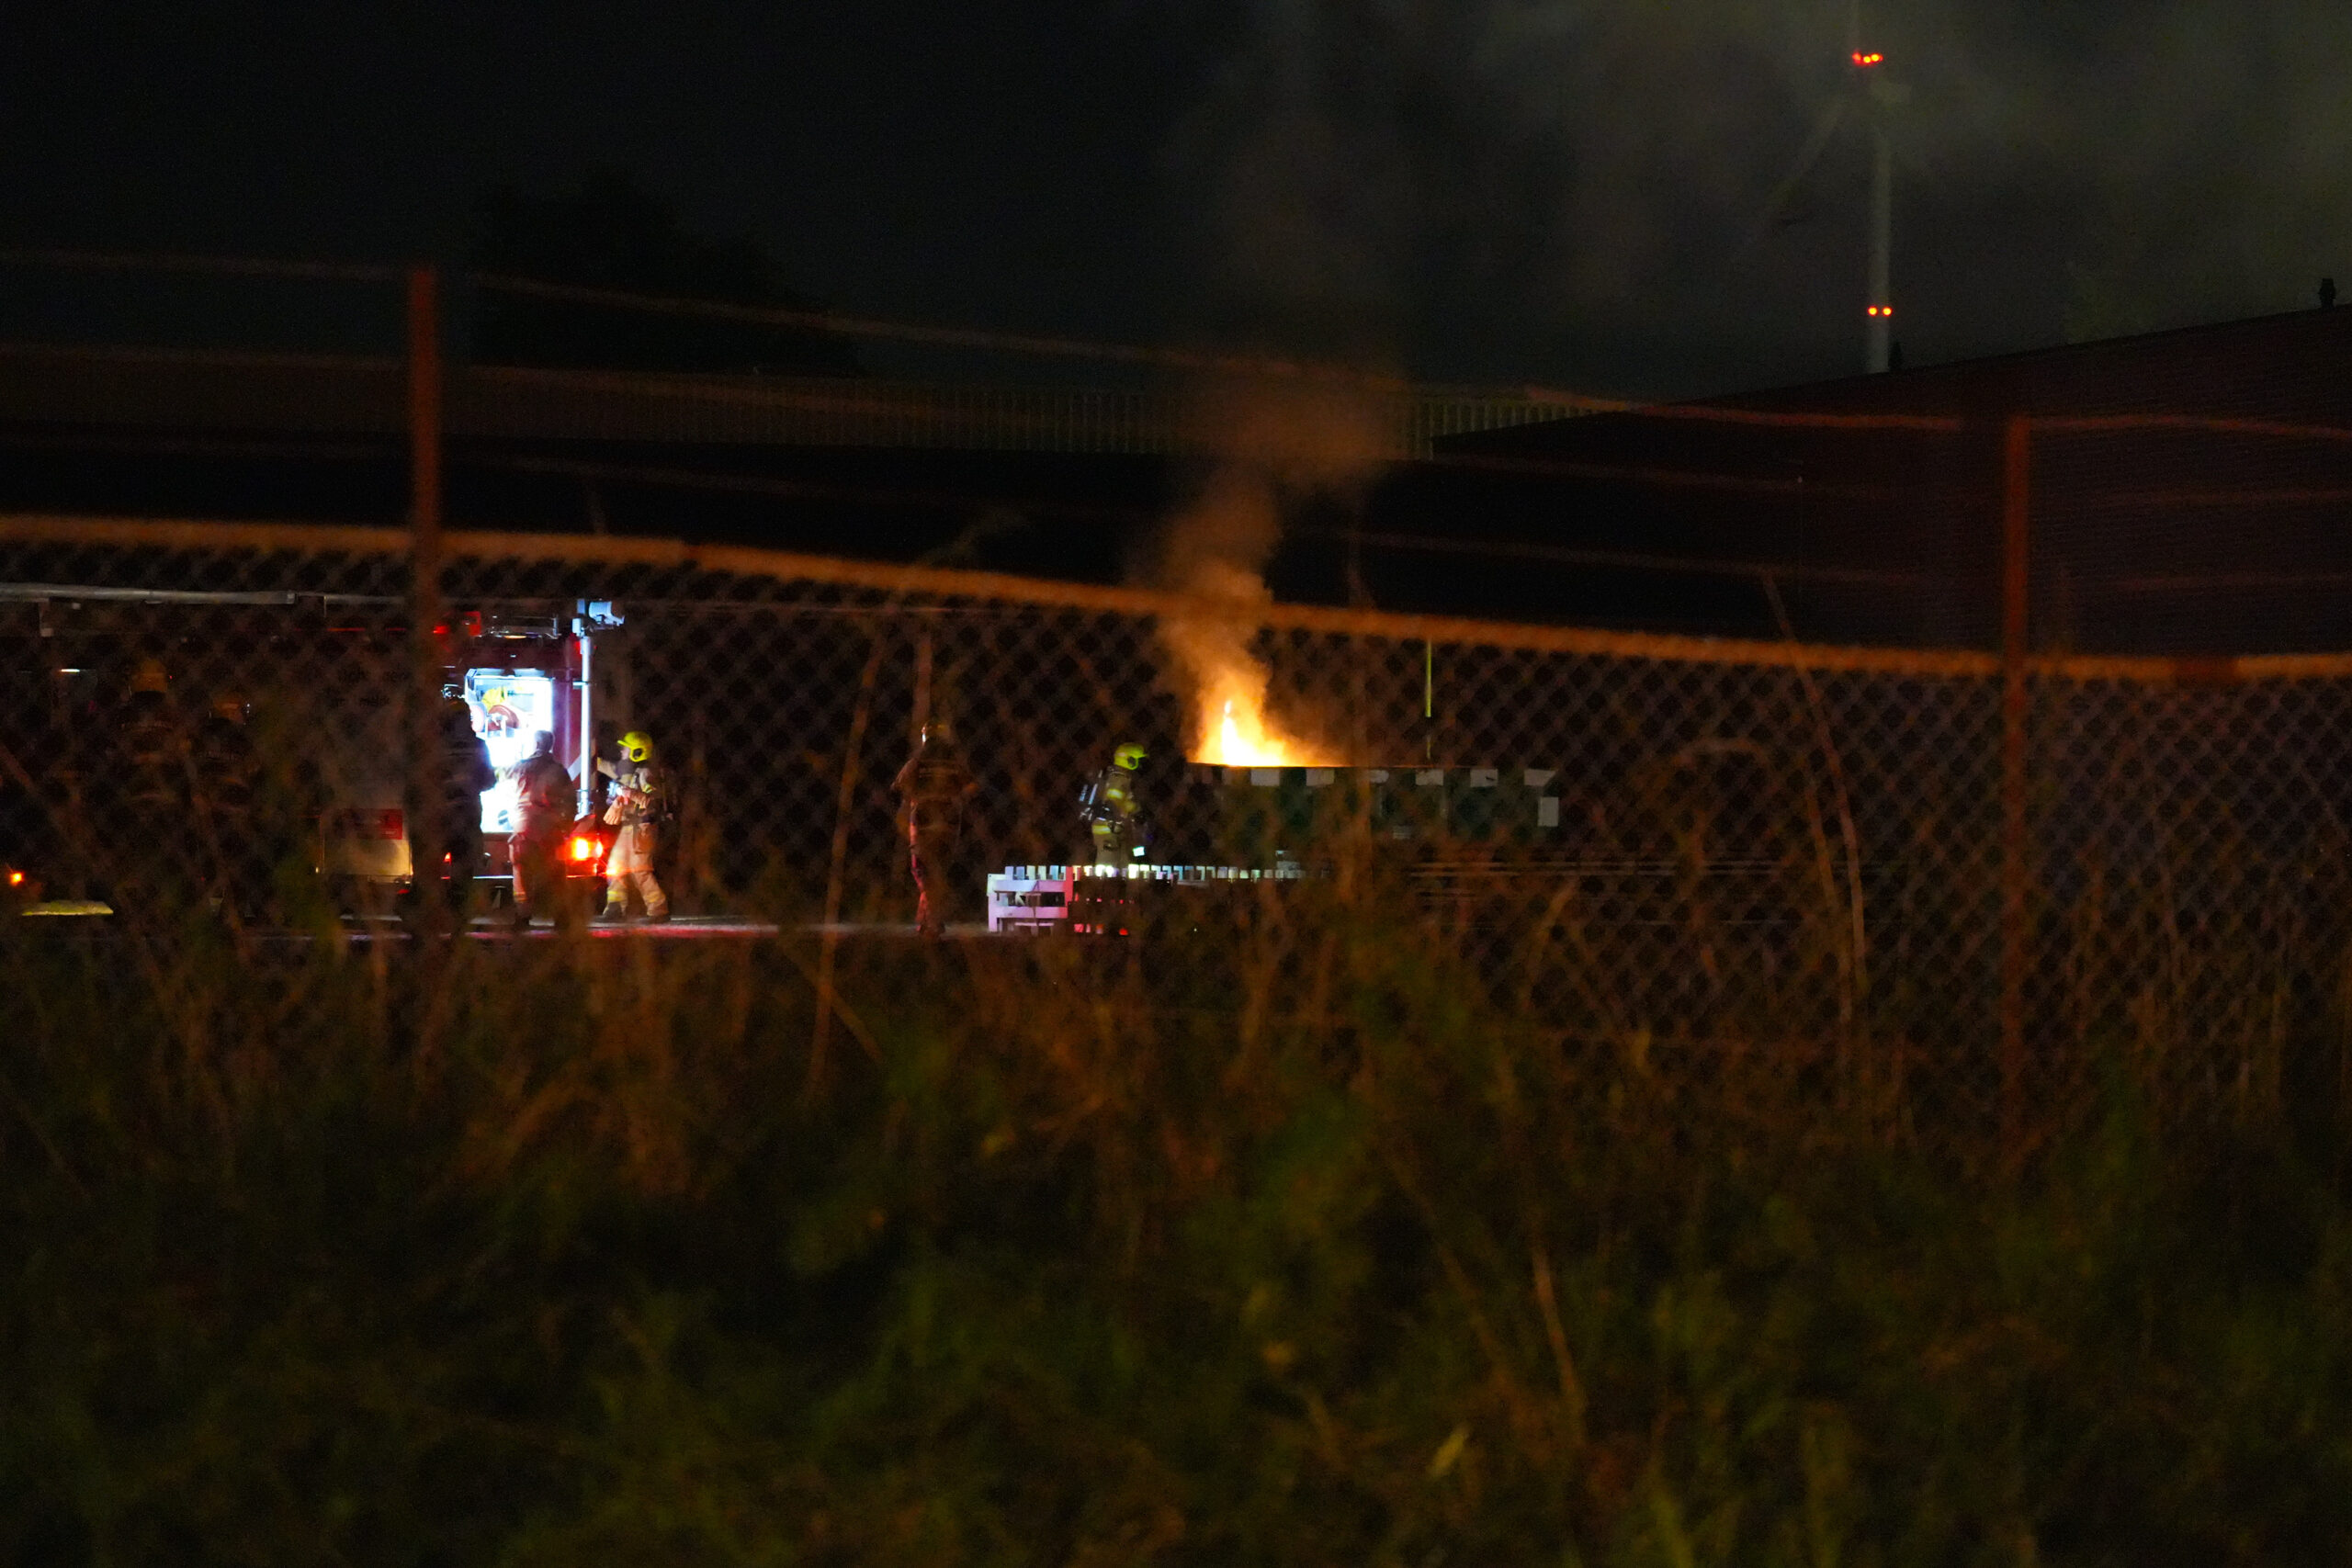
{"points": [[367, 824]]}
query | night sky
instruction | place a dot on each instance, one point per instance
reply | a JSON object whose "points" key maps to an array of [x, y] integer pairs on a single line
{"points": [[1483, 191]]}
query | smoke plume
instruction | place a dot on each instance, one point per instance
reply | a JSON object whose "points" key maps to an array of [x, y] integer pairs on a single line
{"points": [[1276, 446], [1564, 187], [1568, 189]]}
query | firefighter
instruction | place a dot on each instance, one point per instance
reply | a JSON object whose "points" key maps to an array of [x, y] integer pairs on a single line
{"points": [[1119, 831], [150, 843], [640, 802], [932, 787], [544, 792], [227, 778], [154, 777], [465, 774]]}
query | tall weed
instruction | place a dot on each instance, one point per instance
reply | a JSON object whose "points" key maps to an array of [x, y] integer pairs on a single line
{"points": [[1277, 1242]]}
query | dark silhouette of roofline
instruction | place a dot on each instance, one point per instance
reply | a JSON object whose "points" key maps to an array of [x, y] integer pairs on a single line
{"points": [[2295, 364]]}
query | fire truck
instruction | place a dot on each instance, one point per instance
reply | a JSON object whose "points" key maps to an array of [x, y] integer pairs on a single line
{"points": [[330, 674], [521, 672]]}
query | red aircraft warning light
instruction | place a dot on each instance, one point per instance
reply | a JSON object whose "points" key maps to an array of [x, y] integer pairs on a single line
{"points": [[1864, 61]]}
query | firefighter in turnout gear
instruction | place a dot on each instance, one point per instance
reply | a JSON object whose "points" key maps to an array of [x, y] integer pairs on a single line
{"points": [[465, 774], [640, 802], [152, 754], [1119, 832], [543, 792], [932, 787], [151, 848], [227, 778]]}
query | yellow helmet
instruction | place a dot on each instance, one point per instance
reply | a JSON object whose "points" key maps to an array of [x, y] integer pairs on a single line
{"points": [[1129, 755], [638, 746]]}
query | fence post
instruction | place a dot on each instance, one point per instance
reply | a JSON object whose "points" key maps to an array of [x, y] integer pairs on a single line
{"points": [[2017, 461], [425, 599], [921, 718]]}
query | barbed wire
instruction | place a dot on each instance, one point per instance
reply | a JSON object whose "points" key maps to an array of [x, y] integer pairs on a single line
{"points": [[832, 322], [1026, 343], [213, 266]]}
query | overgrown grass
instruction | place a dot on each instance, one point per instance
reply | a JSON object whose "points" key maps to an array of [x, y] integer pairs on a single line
{"points": [[1281, 1247]]}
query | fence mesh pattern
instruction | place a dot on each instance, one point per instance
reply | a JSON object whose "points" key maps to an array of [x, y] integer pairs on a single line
{"points": [[1706, 848]]}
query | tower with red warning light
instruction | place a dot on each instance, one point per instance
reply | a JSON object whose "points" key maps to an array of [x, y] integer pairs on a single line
{"points": [[1869, 102]]}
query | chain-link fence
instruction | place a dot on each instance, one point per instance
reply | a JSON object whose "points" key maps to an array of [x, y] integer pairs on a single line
{"points": [[1709, 847]]}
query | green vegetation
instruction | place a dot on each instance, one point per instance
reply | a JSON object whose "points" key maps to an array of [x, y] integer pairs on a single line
{"points": [[1279, 1251]]}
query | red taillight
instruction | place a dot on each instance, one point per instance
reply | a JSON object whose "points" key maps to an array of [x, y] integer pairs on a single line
{"points": [[584, 848]]}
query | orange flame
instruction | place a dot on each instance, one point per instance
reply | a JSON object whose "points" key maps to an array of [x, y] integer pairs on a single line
{"points": [[1242, 741], [1223, 683], [1273, 445], [1241, 736]]}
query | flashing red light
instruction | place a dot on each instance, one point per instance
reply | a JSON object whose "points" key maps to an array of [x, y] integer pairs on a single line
{"points": [[16, 879], [367, 825], [1880, 310], [584, 848], [1864, 61]]}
